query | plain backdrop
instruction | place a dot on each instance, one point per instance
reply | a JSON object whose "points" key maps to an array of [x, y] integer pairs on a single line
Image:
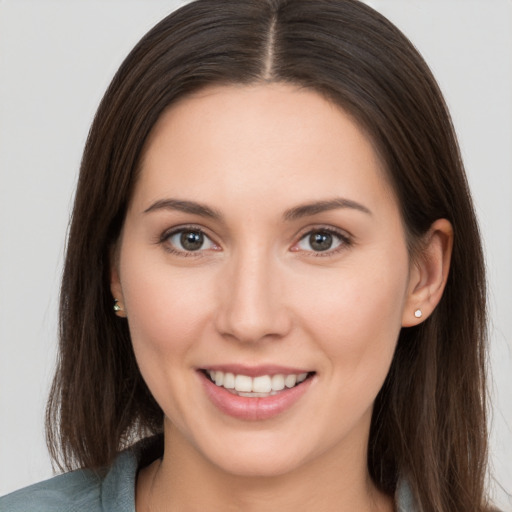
{"points": [[56, 59]]}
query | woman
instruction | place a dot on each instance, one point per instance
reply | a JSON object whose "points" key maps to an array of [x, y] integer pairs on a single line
{"points": [[271, 237]]}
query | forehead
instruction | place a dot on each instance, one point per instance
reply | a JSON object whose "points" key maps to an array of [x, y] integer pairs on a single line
{"points": [[267, 138]]}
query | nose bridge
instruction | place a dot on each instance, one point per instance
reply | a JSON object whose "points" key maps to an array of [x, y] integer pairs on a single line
{"points": [[252, 305]]}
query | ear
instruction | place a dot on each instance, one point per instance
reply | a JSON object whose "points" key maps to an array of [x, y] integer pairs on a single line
{"points": [[115, 284], [429, 273]]}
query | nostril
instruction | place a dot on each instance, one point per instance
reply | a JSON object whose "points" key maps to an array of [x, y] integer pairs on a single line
{"points": [[251, 309]]}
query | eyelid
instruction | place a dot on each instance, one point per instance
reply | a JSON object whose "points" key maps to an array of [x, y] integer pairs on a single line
{"points": [[346, 240], [163, 240]]}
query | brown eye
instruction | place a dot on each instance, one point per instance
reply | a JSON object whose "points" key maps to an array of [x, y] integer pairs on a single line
{"points": [[321, 240], [191, 240]]}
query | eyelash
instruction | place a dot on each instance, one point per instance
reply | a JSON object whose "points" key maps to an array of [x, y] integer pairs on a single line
{"points": [[165, 237], [344, 239]]}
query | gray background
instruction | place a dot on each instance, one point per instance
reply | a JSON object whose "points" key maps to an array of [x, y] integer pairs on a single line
{"points": [[56, 59]]}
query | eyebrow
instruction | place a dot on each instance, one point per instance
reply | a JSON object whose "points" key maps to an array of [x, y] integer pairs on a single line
{"points": [[184, 206], [316, 207], [304, 210]]}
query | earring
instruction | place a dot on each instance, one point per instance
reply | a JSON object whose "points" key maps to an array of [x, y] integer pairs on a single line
{"points": [[117, 307], [418, 313]]}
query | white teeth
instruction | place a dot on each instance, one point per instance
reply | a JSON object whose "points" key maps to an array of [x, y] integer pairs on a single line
{"points": [[300, 378], [261, 386], [278, 382], [243, 383], [257, 395], [229, 381], [290, 381]]}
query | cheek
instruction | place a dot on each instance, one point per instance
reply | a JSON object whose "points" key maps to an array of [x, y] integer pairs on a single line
{"points": [[167, 316], [355, 315], [355, 321], [166, 310]]}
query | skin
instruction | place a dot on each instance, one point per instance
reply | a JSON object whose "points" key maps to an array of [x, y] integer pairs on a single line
{"points": [[257, 293]]}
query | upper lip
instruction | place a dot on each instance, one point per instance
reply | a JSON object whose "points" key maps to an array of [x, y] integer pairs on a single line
{"points": [[255, 371]]}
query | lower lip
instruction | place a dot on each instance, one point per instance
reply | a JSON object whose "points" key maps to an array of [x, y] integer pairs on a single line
{"points": [[253, 409]]}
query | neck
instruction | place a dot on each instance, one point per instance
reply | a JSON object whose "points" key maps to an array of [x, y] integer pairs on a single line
{"points": [[183, 480]]}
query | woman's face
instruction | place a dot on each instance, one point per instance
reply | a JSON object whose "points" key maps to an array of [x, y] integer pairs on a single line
{"points": [[263, 244]]}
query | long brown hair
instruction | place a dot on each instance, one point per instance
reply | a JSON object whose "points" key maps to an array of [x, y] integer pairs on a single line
{"points": [[429, 420]]}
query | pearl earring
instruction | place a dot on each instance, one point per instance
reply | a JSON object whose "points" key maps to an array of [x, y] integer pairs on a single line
{"points": [[117, 306], [418, 313]]}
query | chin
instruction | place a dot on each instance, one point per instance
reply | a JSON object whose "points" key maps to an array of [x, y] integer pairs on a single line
{"points": [[260, 465], [262, 454]]}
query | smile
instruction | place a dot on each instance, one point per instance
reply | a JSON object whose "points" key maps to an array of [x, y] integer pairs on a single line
{"points": [[255, 387], [266, 393]]}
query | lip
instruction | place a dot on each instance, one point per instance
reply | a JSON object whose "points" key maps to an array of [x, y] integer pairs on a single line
{"points": [[257, 408], [256, 371]]}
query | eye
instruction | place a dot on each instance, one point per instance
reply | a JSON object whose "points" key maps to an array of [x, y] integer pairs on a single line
{"points": [[188, 240], [321, 240]]}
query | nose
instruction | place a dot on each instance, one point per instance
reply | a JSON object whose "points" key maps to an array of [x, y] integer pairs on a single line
{"points": [[252, 304]]}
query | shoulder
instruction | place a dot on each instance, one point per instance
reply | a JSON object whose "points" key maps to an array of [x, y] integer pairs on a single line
{"points": [[404, 498], [80, 490]]}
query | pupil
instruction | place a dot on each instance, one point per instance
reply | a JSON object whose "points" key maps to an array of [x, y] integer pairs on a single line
{"points": [[320, 241], [191, 240]]}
